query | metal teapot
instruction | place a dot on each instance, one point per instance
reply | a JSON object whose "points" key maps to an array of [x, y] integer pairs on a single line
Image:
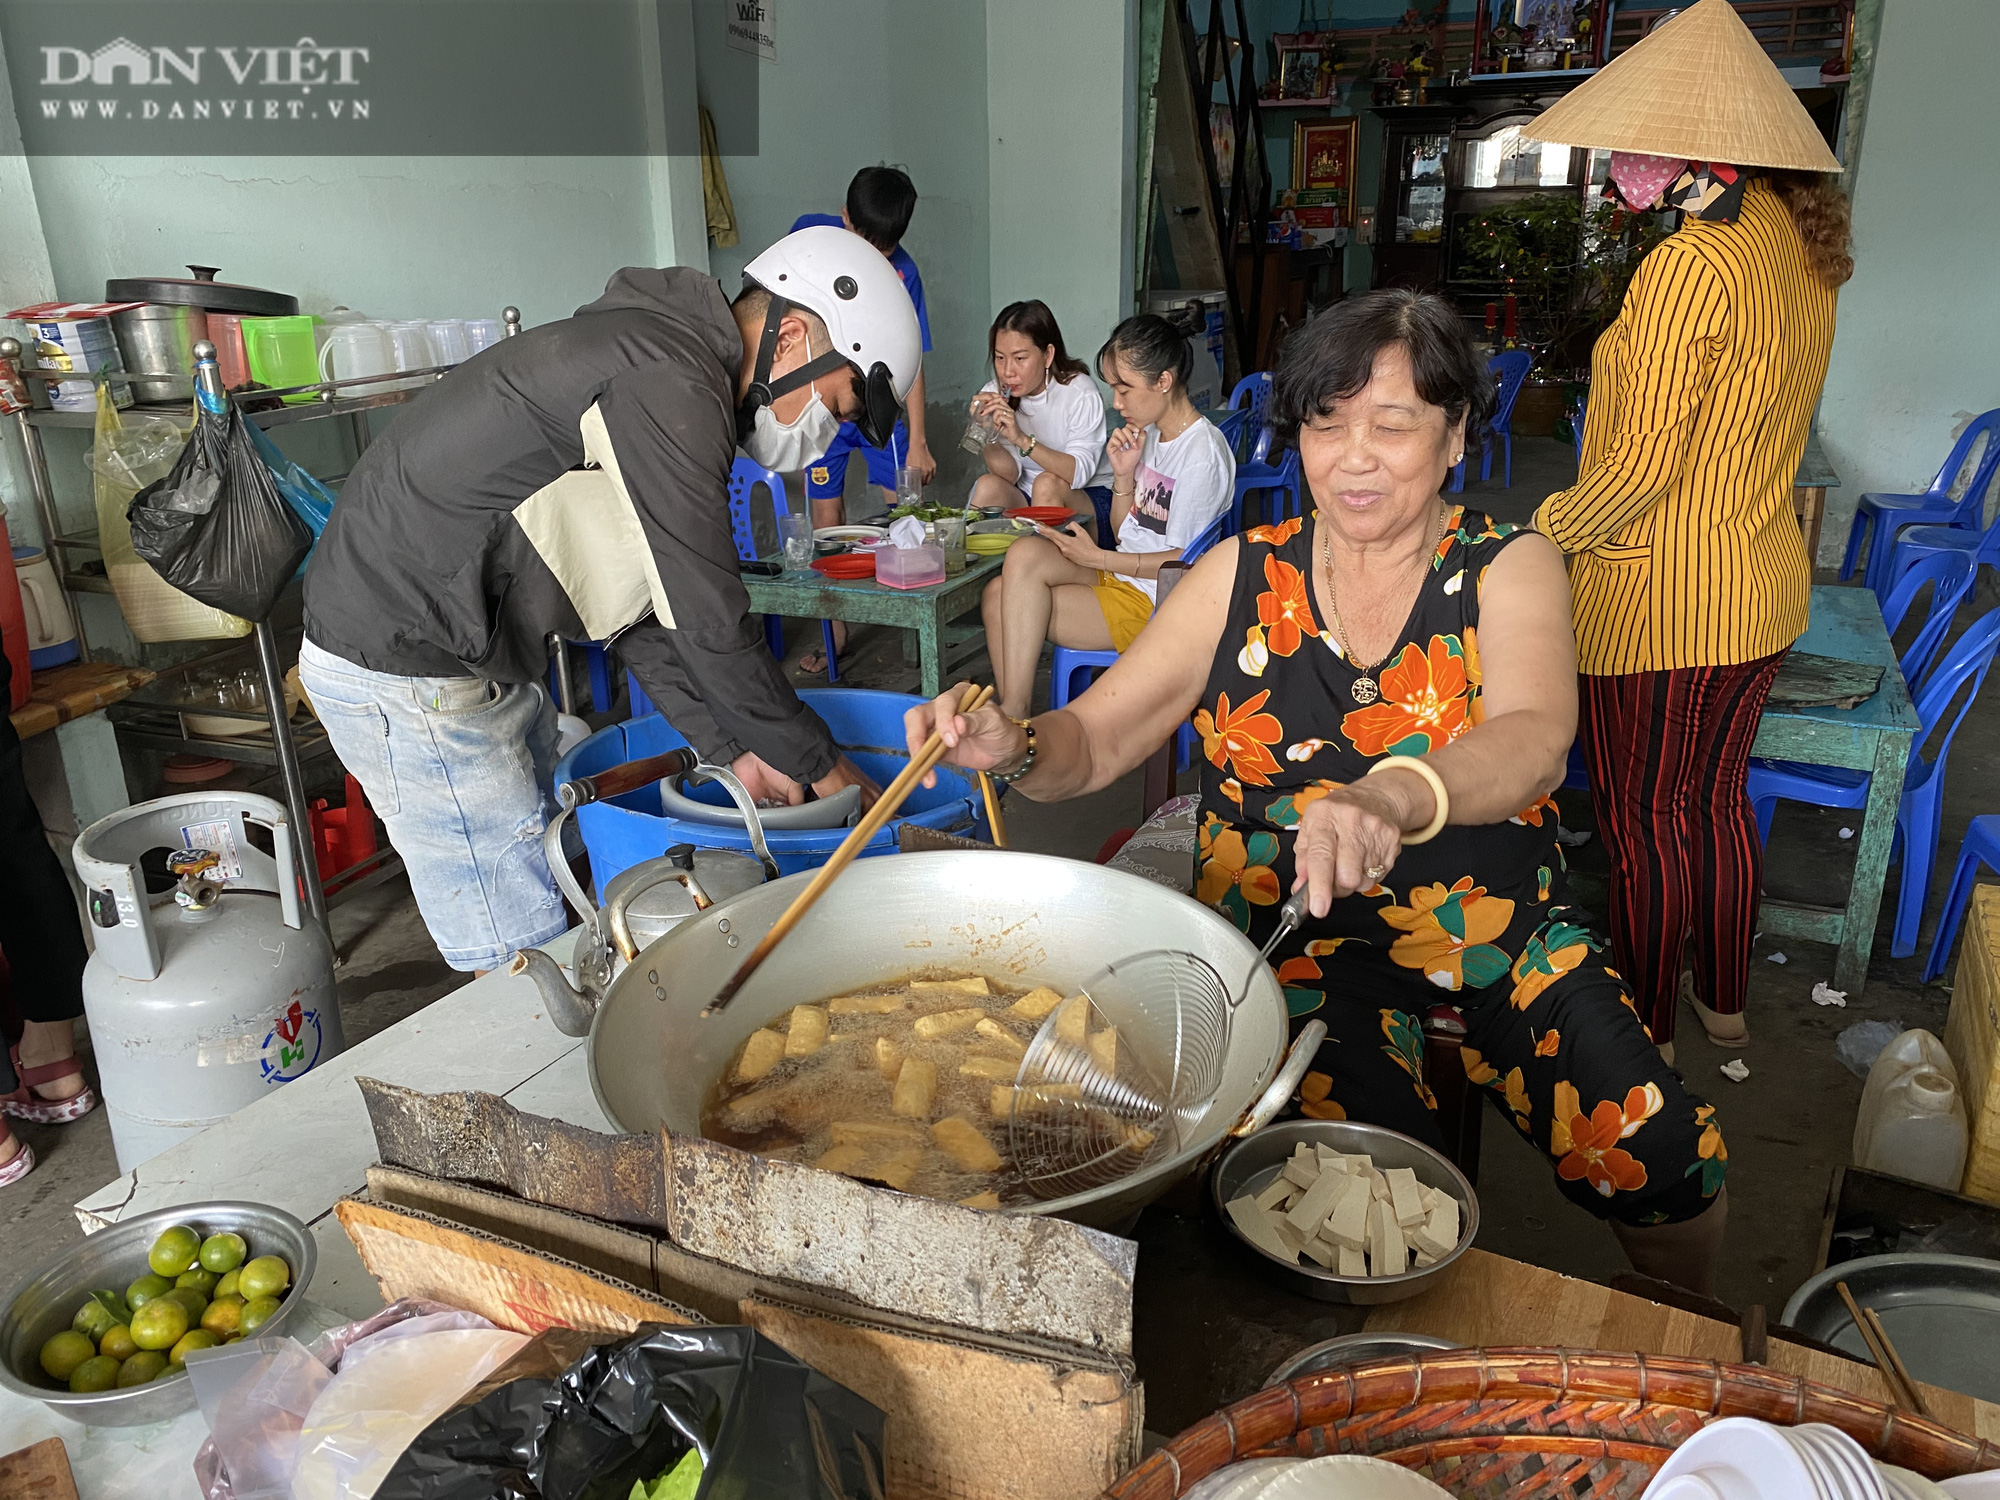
{"points": [[641, 903]]}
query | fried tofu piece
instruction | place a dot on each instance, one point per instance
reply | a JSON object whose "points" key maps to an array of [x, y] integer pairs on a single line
{"points": [[1035, 1005], [867, 1133], [757, 1101], [1001, 1101], [1073, 1021], [1138, 1139], [867, 1005], [762, 1051], [941, 989], [842, 1159], [945, 1023], [896, 1171], [994, 1069], [888, 1057], [916, 1087], [988, 1200], [1103, 1048], [807, 1033], [992, 1031], [966, 1144]]}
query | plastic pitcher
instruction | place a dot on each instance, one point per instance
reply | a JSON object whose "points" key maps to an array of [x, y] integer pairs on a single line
{"points": [[281, 353], [225, 331], [1912, 1119], [353, 351], [51, 635]]}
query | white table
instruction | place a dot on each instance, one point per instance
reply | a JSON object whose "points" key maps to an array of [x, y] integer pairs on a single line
{"points": [[303, 1148]]}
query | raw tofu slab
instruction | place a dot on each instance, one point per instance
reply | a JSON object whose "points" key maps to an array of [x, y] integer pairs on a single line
{"points": [[1387, 1255], [1437, 1236], [1403, 1197], [1347, 1222], [1257, 1227], [1310, 1211]]}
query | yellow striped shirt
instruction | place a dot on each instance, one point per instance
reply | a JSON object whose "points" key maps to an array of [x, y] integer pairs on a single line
{"points": [[1685, 549]]}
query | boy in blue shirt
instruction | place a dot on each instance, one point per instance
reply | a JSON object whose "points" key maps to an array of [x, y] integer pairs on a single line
{"points": [[880, 201]]}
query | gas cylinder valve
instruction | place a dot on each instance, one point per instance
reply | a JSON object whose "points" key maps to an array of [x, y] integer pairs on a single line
{"points": [[188, 866]]}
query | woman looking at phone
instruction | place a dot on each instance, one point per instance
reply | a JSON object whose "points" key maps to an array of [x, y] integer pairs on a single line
{"points": [[1172, 475]]}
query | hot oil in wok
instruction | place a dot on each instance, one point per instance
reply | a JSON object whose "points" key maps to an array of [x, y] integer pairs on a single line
{"points": [[906, 1084]]}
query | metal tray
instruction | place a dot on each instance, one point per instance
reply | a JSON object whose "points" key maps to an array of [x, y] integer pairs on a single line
{"points": [[1941, 1311]]}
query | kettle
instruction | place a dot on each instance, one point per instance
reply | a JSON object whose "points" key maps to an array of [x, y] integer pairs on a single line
{"points": [[51, 636], [643, 903]]}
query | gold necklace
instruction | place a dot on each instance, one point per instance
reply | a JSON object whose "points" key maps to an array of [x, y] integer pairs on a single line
{"points": [[1365, 689]]}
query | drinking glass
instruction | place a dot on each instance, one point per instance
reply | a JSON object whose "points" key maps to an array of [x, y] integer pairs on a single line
{"points": [[448, 341], [796, 532], [482, 333], [909, 486]]}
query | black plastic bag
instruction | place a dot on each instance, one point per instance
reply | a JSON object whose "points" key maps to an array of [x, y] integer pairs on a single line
{"points": [[216, 527], [768, 1427]]}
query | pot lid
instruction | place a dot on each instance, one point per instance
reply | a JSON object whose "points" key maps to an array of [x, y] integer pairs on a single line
{"points": [[722, 873], [204, 291]]}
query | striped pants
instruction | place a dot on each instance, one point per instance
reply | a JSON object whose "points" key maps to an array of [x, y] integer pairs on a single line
{"points": [[1668, 753]]}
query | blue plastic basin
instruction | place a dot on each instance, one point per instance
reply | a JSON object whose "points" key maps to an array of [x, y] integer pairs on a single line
{"points": [[623, 831]]}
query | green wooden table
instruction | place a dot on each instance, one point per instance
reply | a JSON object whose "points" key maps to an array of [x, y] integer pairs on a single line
{"points": [[812, 596], [1873, 736]]}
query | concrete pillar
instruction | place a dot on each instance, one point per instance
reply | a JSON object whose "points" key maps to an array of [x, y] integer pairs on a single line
{"points": [[680, 216]]}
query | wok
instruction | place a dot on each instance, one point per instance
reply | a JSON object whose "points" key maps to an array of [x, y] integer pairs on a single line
{"points": [[1022, 919]]}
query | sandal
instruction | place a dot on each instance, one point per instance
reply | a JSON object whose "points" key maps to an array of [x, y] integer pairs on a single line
{"points": [[25, 1104], [19, 1165], [1723, 1031]]}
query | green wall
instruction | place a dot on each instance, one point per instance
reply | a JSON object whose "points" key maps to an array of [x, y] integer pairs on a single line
{"points": [[1917, 346]]}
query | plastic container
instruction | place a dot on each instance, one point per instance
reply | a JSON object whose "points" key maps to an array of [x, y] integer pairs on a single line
{"points": [[225, 331], [1912, 1120], [85, 345], [51, 634], [354, 351], [909, 567], [622, 831], [282, 353]]}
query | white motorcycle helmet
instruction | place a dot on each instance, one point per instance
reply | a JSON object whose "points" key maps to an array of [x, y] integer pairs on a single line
{"points": [[868, 314]]}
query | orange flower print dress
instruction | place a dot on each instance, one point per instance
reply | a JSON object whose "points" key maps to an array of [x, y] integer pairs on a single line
{"points": [[1474, 919]]}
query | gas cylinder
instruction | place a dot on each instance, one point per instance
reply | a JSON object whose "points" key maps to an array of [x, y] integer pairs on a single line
{"points": [[209, 986]]}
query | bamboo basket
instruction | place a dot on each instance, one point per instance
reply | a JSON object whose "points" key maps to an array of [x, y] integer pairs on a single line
{"points": [[1533, 1424]]}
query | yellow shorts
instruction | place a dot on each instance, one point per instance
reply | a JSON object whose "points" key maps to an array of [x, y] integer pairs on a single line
{"points": [[1126, 610]]}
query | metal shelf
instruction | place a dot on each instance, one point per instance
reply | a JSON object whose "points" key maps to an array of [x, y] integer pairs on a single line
{"points": [[326, 404]]}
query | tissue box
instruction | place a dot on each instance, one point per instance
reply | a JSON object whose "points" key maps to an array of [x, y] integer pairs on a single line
{"points": [[909, 567]]}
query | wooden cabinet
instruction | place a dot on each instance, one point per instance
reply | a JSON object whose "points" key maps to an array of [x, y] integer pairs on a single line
{"points": [[1410, 201], [1296, 282]]}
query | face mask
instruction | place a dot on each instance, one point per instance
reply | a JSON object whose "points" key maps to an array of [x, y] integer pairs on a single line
{"points": [[784, 447]]}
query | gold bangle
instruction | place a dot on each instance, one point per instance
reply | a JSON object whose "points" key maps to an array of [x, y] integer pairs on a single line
{"points": [[1438, 794]]}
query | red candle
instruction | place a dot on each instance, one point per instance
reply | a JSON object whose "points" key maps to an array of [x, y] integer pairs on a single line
{"points": [[1492, 315], [1510, 315]]}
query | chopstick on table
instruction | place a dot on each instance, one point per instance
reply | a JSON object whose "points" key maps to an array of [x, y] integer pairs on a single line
{"points": [[857, 839], [994, 821], [1902, 1389]]}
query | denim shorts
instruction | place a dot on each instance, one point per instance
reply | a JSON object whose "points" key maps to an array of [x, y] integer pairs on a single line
{"points": [[458, 770]]}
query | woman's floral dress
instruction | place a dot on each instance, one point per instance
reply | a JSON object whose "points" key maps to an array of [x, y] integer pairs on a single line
{"points": [[1474, 918]]}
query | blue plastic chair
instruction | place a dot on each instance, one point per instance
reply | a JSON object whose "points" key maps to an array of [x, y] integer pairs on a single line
{"points": [[744, 477], [1256, 474], [1923, 783], [1919, 542], [1956, 497], [1950, 576], [1071, 666], [1981, 846], [1576, 418], [1510, 373]]}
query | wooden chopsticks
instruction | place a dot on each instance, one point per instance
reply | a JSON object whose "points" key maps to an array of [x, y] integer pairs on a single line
{"points": [[1902, 1389], [884, 809], [994, 821]]}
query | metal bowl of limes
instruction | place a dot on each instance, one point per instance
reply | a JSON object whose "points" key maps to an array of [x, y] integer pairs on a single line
{"points": [[48, 1301]]}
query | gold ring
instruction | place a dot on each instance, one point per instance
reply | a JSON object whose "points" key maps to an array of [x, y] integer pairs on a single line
{"points": [[1376, 872]]}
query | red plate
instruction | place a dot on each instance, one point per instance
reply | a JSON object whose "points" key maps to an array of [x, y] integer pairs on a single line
{"points": [[847, 566], [1042, 515]]}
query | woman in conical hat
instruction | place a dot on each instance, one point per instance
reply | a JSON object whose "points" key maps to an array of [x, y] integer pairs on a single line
{"points": [[1689, 574]]}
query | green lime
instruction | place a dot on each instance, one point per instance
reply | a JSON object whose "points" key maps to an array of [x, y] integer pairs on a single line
{"points": [[145, 1289], [256, 1313], [92, 1319], [147, 1364], [198, 1279], [99, 1373], [193, 1339], [188, 1297], [174, 1251], [223, 1252], [160, 1323], [226, 1287], [117, 1342], [221, 1315], [266, 1276], [63, 1353]]}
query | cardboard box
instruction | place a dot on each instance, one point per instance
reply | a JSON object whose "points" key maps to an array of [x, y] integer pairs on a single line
{"points": [[1972, 1037]]}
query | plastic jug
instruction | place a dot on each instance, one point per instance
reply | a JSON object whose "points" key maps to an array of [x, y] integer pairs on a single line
{"points": [[13, 625], [282, 353], [355, 351], [51, 634], [1912, 1119]]}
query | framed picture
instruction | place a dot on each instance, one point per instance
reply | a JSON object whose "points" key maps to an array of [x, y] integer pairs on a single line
{"points": [[1323, 159], [1549, 18], [1299, 70]]}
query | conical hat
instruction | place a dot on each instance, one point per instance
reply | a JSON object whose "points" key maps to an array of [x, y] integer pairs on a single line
{"points": [[1700, 87]]}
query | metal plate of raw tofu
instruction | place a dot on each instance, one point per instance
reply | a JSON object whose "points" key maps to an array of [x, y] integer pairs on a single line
{"points": [[1252, 1164], [1942, 1312]]}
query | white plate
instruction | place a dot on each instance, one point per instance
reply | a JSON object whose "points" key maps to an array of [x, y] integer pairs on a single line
{"points": [[1847, 1460], [1905, 1485], [850, 533], [1742, 1459], [1350, 1476], [1240, 1481], [1983, 1486]]}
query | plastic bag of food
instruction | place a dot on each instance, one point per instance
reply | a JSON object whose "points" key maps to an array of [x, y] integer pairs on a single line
{"points": [[125, 458], [216, 527], [629, 1413]]}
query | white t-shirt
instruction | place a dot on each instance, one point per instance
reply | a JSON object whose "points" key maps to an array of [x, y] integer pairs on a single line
{"points": [[1069, 418], [1180, 488]]}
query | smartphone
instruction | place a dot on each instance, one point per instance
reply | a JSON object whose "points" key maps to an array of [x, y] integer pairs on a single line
{"points": [[761, 567]]}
